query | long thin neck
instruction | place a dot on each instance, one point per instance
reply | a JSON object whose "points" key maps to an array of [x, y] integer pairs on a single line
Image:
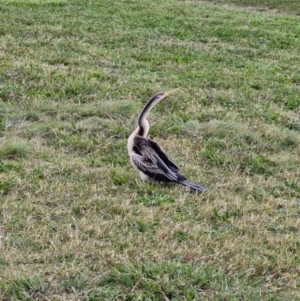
{"points": [[142, 119]]}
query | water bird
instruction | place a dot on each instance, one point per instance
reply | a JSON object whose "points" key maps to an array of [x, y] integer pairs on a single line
{"points": [[147, 157]]}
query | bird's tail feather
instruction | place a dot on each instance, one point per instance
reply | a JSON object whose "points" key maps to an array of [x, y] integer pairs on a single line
{"points": [[193, 186]]}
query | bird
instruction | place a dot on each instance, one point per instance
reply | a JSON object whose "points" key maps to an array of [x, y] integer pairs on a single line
{"points": [[148, 158]]}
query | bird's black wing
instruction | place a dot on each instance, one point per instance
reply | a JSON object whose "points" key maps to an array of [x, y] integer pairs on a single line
{"points": [[142, 142], [164, 156], [152, 161]]}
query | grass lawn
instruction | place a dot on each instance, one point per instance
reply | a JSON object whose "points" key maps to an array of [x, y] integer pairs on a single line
{"points": [[283, 6], [76, 221]]}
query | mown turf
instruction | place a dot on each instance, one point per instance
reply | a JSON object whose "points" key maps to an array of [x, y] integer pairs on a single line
{"points": [[76, 222], [271, 6]]}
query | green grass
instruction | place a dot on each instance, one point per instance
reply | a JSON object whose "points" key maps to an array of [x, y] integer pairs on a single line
{"points": [[272, 6], [77, 223]]}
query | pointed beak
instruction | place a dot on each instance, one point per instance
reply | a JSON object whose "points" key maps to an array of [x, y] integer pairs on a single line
{"points": [[166, 94]]}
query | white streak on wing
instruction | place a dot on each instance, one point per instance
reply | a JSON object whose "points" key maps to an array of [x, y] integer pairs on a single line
{"points": [[149, 163]]}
